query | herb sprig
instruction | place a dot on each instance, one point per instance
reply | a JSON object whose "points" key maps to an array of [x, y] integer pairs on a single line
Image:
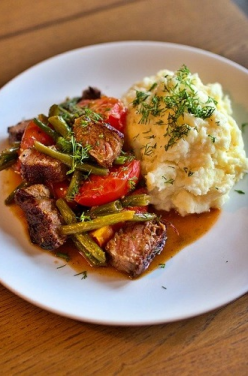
{"points": [[180, 97]]}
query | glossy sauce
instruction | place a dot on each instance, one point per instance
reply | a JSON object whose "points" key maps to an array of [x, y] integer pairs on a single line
{"points": [[181, 231]]}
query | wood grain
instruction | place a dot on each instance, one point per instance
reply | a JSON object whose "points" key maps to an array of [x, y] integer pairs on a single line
{"points": [[132, 20], [213, 343], [37, 342]]}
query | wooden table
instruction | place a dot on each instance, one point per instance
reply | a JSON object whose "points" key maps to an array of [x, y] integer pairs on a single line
{"points": [[36, 342]]}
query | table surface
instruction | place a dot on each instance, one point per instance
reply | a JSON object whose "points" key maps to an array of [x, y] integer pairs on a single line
{"points": [[34, 341]]}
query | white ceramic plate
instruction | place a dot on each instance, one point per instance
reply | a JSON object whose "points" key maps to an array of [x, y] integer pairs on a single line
{"points": [[205, 275]]}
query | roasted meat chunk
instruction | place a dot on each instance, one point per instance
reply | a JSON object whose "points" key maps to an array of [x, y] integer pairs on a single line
{"points": [[42, 216], [16, 131], [37, 167], [91, 93], [105, 141], [134, 246]]}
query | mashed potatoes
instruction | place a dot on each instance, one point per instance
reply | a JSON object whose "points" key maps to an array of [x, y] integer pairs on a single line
{"points": [[191, 149]]}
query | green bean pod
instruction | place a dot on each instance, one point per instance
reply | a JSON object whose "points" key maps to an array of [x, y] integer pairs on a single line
{"points": [[110, 208], [49, 131], [8, 157], [98, 222], [60, 126], [74, 185], [143, 217], [136, 200], [10, 199], [84, 243]]}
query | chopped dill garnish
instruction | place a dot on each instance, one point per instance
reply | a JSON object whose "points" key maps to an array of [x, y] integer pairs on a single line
{"points": [[141, 96], [84, 217], [148, 149], [212, 138], [61, 266], [239, 191], [176, 132], [153, 86], [168, 181], [132, 182], [243, 126], [83, 274], [62, 255], [181, 97], [188, 172], [79, 153]]}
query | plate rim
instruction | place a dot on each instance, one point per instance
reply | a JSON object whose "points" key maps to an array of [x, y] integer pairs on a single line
{"points": [[102, 45]]}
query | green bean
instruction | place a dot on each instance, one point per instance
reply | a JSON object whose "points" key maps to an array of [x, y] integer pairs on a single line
{"points": [[84, 243], [54, 111], [74, 185], [98, 222], [143, 217], [90, 249], [49, 131], [10, 199], [60, 126], [110, 208], [8, 157], [136, 200], [68, 160], [92, 169], [64, 158]]}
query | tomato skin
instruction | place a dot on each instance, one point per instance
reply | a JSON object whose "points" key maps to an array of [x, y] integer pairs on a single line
{"points": [[59, 189], [111, 109], [34, 133], [99, 190]]}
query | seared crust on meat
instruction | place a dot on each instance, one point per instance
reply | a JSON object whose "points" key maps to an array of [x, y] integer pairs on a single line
{"points": [[37, 167], [42, 216], [16, 131], [91, 93], [134, 246], [105, 141]]}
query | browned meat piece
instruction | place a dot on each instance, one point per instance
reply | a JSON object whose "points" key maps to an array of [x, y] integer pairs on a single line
{"points": [[105, 141], [16, 131], [40, 168], [42, 216], [134, 246], [91, 93]]}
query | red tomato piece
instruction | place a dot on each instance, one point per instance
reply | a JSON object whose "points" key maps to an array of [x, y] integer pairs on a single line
{"points": [[34, 133], [59, 189], [111, 109], [99, 190]]}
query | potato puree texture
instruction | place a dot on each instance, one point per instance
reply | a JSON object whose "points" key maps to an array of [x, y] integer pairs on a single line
{"points": [[191, 149]]}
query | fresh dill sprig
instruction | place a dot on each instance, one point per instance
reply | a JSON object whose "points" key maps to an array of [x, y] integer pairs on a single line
{"points": [[84, 274], [168, 181], [79, 153]]}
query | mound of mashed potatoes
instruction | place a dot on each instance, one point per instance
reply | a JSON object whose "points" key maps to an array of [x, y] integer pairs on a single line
{"points": [[191, 149]]}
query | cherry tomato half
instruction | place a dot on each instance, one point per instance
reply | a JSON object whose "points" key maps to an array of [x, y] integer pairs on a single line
{"points": [[99, 190], [34, 133], [59, 189], [111, 109]]}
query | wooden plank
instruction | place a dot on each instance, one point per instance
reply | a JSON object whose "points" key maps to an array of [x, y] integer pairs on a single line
{"points": [[135, 20], [22, 16]]}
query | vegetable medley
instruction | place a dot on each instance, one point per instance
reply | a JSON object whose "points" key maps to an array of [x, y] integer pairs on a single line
{"points": [[75, 159]]}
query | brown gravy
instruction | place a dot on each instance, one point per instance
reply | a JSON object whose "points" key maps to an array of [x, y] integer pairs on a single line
{"points": [[181, 232]]}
